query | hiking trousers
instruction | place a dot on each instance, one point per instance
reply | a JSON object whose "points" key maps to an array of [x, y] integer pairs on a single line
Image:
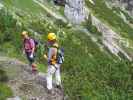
{"points": [[53, 70], [31, 60]]}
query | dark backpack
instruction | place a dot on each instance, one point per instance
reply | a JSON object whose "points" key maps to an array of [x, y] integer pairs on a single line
{"points": [[60, 55], [36, 42]]}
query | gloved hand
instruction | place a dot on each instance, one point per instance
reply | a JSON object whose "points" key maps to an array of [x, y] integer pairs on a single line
{"points": [[31, 56], [45, 56]]}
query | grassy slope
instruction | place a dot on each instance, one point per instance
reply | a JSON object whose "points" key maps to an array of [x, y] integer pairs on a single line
{"points": [[5, 91], [112, 18], [90, 74], [25, 5], [108, 15], [128, 17]]}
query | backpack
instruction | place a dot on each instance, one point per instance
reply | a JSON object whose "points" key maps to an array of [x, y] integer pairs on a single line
{"points": [[60, 55], [36, 42]]}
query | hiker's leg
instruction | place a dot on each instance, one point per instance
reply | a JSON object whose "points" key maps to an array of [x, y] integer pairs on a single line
{"points": [[30, 60], [58, 75], [34, 66], [50, 73]]}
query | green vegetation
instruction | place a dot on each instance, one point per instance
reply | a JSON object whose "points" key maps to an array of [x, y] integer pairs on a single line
{"points": [[91, 28], [3, 76], [119, 11], [5, 91], [25, 5], [91, 74], [9, 33], [129, 18], [87, 73]]}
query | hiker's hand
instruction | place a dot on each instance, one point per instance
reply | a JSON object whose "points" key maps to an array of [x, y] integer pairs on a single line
{"points": [[45, 56], [31, 56]]}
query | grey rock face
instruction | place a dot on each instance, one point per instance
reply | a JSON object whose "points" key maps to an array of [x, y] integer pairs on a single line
{"points": [[75, 11], [110, 38], [126, 4]]}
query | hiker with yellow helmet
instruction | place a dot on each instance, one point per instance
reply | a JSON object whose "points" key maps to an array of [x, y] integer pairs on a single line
{"points": [[53, 66], [29, 47]]}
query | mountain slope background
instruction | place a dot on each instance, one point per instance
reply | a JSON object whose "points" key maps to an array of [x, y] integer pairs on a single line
{"points": [[90, 71]]}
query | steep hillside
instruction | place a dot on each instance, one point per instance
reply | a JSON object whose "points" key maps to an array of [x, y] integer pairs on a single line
{"points": [[113, 18], [124, 4], [97, 52]]}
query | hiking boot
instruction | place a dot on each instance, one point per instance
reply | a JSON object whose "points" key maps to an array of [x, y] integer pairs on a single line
{"points": [[35, 71], [51, 92]]}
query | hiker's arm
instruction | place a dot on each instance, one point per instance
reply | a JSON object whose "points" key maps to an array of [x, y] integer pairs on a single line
{"points": [[45, 56], [33, 50]]}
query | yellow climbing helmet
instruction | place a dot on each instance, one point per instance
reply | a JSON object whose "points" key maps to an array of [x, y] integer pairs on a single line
{"points": [[24, 33], [51, 36]]}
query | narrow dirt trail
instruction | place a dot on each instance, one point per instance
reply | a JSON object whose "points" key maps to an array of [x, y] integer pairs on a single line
{"points": [[24, 84]]}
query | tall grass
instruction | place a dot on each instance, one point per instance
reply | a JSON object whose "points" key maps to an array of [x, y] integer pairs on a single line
{"points": [[90, 74]]}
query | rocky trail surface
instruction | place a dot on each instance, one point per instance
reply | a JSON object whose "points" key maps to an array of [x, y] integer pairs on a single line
{"points": [[24, 84]]}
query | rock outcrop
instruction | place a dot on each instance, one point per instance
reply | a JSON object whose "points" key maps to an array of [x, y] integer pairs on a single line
{"points": [[110, 38], [75, 11], [124, 4]]}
